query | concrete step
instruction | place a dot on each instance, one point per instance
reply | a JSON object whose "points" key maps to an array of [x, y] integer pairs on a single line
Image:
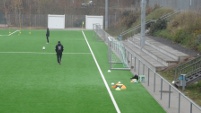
{"points": [[157, 54], [166, 50], [151, 62], [154, 53]]}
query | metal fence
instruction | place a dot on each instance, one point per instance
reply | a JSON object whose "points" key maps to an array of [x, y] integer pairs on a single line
{"points": [[169, 97], [177, 4], [30, 20], [41, 20], [37, 20]]}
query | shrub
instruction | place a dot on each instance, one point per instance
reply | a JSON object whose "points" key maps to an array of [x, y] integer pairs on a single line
{"points": [[159, 25], [187, 21], [163, 33], [179, 36], [158, 12], [129, 17], [199, 47], [198, 43]]}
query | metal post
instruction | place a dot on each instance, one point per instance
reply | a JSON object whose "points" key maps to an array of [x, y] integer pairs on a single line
{"points": [[179, 103], [190, 2], [109, 54], [175, 74], [154, 81], [148, 76], [138, 67], [131, 62], [106, 14], [135, 64], [169, 96], [143, 19], [161, 88], [120, 38], [183, 82]]}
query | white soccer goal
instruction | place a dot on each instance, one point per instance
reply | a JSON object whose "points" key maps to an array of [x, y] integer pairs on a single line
{"points": [[117, 56]]}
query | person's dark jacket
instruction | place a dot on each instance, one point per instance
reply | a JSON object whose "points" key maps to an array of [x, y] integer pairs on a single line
{"points": [[59, 48]]}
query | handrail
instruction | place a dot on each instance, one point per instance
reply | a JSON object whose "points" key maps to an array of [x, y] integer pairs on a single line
{"points": [[195, 71], [134, 28], [184, 67]]}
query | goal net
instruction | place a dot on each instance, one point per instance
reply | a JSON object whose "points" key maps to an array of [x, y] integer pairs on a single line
{"points": [[116, 51]]}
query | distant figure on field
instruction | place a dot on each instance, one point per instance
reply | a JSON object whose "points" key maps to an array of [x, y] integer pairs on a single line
{"points": [[47, 35], [59, 49]]}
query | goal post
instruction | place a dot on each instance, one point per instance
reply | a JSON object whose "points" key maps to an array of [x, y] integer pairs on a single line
{"points": [[97, 32]]}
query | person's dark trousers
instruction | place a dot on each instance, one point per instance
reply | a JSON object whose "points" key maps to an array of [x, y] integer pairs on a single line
{"points": [[59, 56], [47, 39]]}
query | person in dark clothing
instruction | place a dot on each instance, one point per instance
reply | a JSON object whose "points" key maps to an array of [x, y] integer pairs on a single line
{"points": [[135, 77], [59, 49], [47, 35]]}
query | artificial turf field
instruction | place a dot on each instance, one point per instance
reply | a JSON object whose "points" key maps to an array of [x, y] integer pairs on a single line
{"points": [[31, 80]]}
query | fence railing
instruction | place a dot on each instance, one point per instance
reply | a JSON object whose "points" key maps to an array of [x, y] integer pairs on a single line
{"points": [[169, 97], [177, 4], [196, 70], [188, 68]]}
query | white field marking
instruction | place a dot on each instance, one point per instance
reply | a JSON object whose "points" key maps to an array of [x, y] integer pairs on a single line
{"points": [[103, 78], [42, 53], [11, 33]]}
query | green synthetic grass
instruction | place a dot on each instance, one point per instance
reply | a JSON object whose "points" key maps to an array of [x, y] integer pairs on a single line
{"points": [[31, 81]]}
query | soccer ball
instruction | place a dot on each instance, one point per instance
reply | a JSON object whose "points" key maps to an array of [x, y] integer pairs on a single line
{"points": [[112, 83], [43, 48], [173, 82]]}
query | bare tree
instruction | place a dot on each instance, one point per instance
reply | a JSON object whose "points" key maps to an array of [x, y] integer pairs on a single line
{"points": [[6, 10]]}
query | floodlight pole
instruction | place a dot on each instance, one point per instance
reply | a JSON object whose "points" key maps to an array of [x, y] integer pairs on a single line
{"points": [[106, 14], [143, 19], [190, 2]]}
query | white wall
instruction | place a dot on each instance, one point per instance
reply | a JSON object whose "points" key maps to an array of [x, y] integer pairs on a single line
{"points": [[56, 21], [91, 20]]}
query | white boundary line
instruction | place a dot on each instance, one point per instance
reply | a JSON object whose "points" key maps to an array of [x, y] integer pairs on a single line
{"points": [[11, 33], [42, 53], [100, 71]]}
